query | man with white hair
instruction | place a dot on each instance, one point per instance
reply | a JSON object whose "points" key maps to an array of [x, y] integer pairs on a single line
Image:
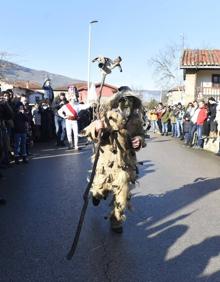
{"points": [[70, 113]]}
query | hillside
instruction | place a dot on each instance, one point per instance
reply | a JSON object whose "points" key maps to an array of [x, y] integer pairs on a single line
{"points": [[14, 72]]}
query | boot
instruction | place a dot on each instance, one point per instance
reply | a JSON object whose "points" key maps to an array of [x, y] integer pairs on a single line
{"points": [[62, 144], [70, 147], [95, 201], [2, 202], [116, 225], [25, 161], [17, 160], [57, 142]]}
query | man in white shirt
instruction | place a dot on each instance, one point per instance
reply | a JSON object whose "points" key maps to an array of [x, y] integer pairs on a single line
{"points": [[70, 113]]}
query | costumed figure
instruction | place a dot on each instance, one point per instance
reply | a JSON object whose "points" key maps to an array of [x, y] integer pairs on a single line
{"points": [[122, 134], [70, 112]]}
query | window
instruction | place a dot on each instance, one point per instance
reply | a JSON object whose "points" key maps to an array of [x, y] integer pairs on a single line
{"points": [[216, 79]]}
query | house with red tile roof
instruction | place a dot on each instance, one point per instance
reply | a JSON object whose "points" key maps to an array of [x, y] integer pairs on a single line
{"points": [[201, 73], [35, 89], [32, 90], [107, 91]]}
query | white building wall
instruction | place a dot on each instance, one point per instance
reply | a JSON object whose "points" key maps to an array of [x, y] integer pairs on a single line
{"points": [[190, 86], [175, 97], [204, 77], [4, 86]]}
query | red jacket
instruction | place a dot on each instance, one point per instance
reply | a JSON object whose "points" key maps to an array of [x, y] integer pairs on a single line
{"points": [[202, 116]]}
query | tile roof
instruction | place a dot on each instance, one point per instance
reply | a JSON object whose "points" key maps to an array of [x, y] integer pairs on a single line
{"points": [[200, 59], [177, 88], [27, 84], [84, 87]]}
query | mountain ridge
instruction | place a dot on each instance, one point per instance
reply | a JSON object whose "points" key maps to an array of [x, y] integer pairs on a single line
{"points": [[12, 72]]}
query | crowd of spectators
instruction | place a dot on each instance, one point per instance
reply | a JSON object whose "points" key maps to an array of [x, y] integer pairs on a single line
{"points": [[196, 123], [22, 125]]}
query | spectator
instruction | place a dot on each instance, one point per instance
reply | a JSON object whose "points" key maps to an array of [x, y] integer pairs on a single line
{"points": [[164, 121], [172, 117], [193, 115], [47, 121], [202, 116], [48, 91], [6, 115], [60, 124], [159, 115], [153, 120], [187, 128], [179, 120], [36, 114], [21, 123], [212, 105], [70, 113], [190, 109], [217, 118]]}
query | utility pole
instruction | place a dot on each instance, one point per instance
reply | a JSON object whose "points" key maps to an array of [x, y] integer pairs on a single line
{"points": [[89, 53]]}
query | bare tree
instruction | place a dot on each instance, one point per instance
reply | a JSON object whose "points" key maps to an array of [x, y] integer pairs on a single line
{"points": [[167, 67]]}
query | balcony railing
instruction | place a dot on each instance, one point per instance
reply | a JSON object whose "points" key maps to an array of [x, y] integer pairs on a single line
{"points": [[206, 92]]}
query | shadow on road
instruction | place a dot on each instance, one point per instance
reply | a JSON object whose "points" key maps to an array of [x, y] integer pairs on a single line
{"points": [[37, 224], [144, 168], [156, 241], [161, 141], [142, 252]]}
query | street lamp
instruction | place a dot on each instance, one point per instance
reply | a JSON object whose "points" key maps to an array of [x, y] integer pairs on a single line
{"points": [[89, 53]]}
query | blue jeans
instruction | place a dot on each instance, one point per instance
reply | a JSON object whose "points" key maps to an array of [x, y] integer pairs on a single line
{"points": [[20, 144], [192, 132], [164, 127], [199, 133], [6, 142], [179, 127], [60, 126], [154, 125], [187, 138], [174, 133]]}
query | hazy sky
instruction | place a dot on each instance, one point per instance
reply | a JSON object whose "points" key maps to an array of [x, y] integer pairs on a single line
{"points": [[53, 35]]}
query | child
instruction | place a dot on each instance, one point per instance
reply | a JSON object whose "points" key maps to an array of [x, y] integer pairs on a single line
{"points": [[187, 129], [20, 128]]}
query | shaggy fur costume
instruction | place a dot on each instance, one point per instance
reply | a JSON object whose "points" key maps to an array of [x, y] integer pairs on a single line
{"points": [[116, 168]]}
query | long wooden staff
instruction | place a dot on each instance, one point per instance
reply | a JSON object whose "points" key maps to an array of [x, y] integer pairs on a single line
{"points": [[86, 193]]}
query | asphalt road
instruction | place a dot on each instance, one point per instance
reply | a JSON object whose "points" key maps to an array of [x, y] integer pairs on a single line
{"points": [[173, 233]]}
